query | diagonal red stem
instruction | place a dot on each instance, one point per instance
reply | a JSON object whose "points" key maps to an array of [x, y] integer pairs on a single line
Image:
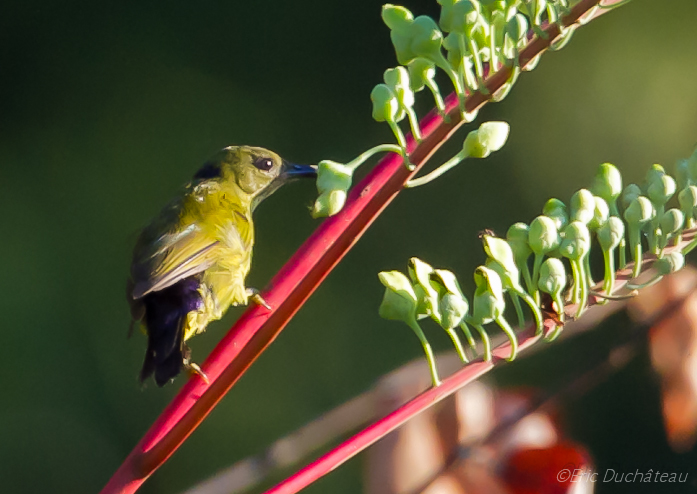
{"points": [[296, 281]]}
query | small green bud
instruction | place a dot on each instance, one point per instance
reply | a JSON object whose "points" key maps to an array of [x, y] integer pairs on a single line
{"points": [[421, 71], [426, 295], [688, 201], [385, 104], [453, 305], [397, 79], [329, 203], [396, 17], [630, 192], [427, 39], [333, 182], [640, 211], [610, 233], [333, 176], [489, 137], [517, 237], [399, 301], [600, 214], [582, 206], [655, 172], [464, 17], [670, 263], [488, 280], [607, 183], [671, 221], [488, 302], [577, 240], [543, 235], [661, 190], [499, 250], [556, 210], [552, 276]]}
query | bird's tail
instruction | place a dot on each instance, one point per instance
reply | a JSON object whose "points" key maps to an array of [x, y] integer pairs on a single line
{"points": [[165, 320]]}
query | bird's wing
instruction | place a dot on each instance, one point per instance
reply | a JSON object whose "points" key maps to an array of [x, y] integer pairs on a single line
{"points": [[164, 260]]}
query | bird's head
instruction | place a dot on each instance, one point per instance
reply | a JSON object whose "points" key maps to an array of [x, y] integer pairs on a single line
{"points": [[257, 172]]}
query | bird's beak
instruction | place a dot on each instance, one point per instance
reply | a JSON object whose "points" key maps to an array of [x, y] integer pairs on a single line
{"points": [[292, 171]]}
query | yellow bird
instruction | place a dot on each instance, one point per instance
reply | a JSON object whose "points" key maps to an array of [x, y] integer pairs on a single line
{"points": [[190, 264]]}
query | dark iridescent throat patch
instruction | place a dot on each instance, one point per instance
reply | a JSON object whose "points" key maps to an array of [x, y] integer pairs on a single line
{"points": [[209, 170]]}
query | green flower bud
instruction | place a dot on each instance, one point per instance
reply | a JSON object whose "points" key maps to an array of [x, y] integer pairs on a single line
{"points": [[543, 235], [672, 221], [490, 137], [421, 73], [688, 202], [499, 250], [517, 237], [426, 295], [453, 305], [488, 297], [329, 203], [397, 79], [661, 190], [610, 233], [489, 306], [582, 206], [488, 280], [670, 263], [396, 17], [655, 172], [600, 214], [556, 210], [464, 17], [427, 39], [385, 104], [607, 183], [399, 301], [640, 211], [400, 21], [577, 241], [552, 277], [630, 192], [333, 176]]}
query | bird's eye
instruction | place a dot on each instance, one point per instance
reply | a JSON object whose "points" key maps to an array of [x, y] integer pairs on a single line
{"points": [[264, 164]]}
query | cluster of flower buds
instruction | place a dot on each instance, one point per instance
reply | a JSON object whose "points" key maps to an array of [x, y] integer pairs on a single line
{"points": [[559, 241], [480, 37], [334, 179]]}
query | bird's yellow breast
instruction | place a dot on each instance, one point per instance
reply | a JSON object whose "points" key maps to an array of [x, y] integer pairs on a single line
{"points": [[223, 218]]}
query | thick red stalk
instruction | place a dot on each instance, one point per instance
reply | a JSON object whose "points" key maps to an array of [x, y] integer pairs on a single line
{"points": [[298, 279]]}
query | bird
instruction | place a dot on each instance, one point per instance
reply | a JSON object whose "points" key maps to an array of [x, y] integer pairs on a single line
{"points": [[190, 263]]}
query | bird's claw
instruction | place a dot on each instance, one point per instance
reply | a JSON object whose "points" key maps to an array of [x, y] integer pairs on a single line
{"points": [[194, 369], [254, 295]]}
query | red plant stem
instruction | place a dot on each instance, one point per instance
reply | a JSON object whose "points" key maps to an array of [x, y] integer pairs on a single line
{"points": [[298, 279], [361, 440], [387, 424]]}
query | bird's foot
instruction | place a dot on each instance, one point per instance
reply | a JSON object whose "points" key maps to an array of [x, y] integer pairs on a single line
{"points": [[254, 295], [194, 369]]}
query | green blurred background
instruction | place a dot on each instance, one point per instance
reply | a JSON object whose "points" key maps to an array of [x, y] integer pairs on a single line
{"points": [[107, 108]]}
